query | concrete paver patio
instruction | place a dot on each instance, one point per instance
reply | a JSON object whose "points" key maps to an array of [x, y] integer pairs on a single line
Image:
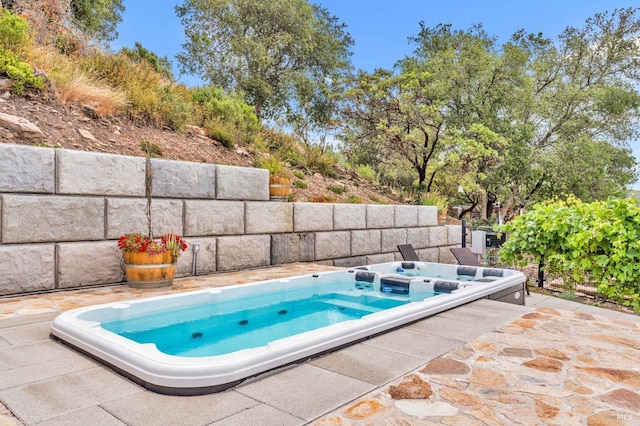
{"points": [[549, 362]]}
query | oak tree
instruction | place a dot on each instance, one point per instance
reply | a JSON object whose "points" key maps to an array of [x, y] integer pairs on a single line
{"points": [[278, 55]]}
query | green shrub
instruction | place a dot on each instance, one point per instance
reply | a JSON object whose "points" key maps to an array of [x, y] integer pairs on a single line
{"points": [[230, 109], [273, 164], [121, 72], [337, 189], [433, 198], [395, 174], [143, 105], [299, 174], [217, 131], [174, 110], [14, 42], [294, 157], [300, 184], [377, 200], [44, 145], [354, 199], [269, 162], [14, 32], [275, 140], [20, 73], [215, 110], [365, 172], [597, 242], [285, 146], [152, 149], [316, 159]]}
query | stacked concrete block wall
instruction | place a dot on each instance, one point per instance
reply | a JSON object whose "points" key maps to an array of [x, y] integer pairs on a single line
{"points": [[62, 212]]}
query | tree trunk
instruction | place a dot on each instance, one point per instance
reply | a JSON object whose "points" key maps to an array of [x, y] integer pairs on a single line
{"points": [[467, 210], [515, 208], [483, 207], [422, 175]]}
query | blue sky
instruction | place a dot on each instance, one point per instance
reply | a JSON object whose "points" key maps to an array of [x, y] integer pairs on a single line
{"points": [[380, 28]]}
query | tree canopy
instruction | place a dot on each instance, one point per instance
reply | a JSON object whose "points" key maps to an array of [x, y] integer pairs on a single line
{"points": [[395, 116], [526, 119], [278, 55], [98, 18]]}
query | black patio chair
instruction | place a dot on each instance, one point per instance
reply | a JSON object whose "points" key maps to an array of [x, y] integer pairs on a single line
{"points": [[464, 256], [408, 253]]}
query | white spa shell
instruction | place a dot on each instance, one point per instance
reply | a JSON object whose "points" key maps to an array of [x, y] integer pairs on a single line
{"points": [[144, 364]]}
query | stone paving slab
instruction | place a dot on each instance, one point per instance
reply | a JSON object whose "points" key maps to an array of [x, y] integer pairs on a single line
{"points": [[486, 312], [27, 355], [267, 416], [567, 305], [368, 363], [420, 345], [305, 391], [11, 318], [43, 370], [66, 394], [94, 416], [150, 409], [26, 333], [453, 328]]}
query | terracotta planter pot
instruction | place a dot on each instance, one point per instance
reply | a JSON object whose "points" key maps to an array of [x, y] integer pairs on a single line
{"points": [[279, 188], [146, 270]]}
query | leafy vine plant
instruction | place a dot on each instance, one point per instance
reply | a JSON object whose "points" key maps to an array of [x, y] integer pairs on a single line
{"points": [[596, 242]]}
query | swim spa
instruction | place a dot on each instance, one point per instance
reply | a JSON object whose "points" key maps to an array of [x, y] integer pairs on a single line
{"points": [[209, 340]]}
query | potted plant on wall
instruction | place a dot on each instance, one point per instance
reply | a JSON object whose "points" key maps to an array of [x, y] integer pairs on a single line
{"points": [[150, 262], [279, 177]]}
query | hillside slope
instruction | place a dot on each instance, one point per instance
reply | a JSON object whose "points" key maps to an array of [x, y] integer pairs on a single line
{"points": [[79, 128]]}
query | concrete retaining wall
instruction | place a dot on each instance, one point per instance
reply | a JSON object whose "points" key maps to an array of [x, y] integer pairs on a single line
{"points": [[62, 212]]}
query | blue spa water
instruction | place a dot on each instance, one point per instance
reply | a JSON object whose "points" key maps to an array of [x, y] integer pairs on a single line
{"points": [[217, 334]]}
